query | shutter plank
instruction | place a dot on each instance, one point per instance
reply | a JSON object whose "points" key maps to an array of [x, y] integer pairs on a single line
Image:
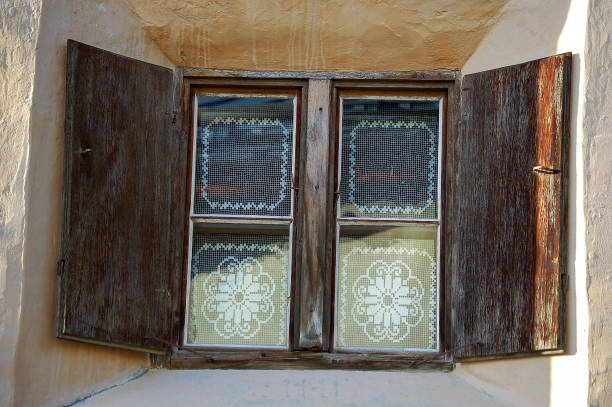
{"points": [[506, 222], [124, 201]]}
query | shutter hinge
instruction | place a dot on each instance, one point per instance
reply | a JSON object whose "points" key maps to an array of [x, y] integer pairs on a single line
{"points": [[564, 282], [174, 117], [60, 267]]}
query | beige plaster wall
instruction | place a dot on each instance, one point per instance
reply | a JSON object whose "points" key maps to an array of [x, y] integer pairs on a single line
{"points": [[597, 150], [19, 22], [351, 35], [48, 371], [378, 35], [329, 388]]}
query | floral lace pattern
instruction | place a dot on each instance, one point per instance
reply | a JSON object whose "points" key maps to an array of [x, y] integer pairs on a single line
{"points": [[238, 290], [388, 301], [239, 300], [387, 296]]}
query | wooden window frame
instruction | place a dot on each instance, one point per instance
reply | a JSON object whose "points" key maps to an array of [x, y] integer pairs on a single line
{"points": [[295, 88], [397, 91], [312, 286], [505, 188]]}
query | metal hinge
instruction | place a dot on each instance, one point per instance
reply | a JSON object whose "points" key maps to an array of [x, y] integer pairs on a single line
{"points": [[60, 267]]}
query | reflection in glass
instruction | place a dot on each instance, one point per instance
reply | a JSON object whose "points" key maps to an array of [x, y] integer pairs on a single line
{"points": [[389, 159], [244, 156]]}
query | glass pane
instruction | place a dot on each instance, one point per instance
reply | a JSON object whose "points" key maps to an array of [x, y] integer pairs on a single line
{"points": [[239, 289], [387, 282], [389, 159], [244, 156]]}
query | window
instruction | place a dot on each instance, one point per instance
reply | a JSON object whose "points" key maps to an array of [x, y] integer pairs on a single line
{"points": [[387, 221], [344, 220], [243, 171]]}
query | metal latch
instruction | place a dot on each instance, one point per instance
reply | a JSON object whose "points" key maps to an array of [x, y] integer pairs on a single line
{"points": [[545, 170]]}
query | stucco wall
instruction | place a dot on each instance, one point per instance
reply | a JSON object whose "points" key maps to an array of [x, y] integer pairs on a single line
{"points": [[318, 34], [19, 22], [43, 370], [37, 369], [597, 145]]}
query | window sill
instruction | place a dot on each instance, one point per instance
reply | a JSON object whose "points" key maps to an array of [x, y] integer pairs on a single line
{"points": [[261, 359]]}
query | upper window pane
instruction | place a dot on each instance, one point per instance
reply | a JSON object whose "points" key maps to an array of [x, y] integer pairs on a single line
{"points": [[244, 156], [389, 158]]}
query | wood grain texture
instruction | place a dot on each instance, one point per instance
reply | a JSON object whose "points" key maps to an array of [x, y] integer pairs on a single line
{"points": [[452, 133], [122, 237], [313, 269], [442, 75], [181, 192], [194, 359], [506, 223]]}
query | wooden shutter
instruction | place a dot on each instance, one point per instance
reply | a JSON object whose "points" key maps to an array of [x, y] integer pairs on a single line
{"points": [[123, 229], [507, 209]]}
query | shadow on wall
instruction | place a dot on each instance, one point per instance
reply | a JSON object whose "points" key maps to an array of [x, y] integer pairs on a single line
{"points": [[526, 31], [52, 371], [358, 35]]}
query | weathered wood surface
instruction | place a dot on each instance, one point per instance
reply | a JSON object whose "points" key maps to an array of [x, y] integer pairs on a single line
{"points": [[123, 230], [199, 359], [453, 114], [313, 268], [506, 230], [182, 197], [442, 75]]}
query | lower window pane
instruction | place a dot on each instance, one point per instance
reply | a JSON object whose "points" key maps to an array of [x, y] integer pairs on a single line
{"points": [[387, 289], [239, 289]]}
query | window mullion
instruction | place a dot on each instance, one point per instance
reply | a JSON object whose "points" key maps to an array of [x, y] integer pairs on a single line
{"points": [[312, 320]]}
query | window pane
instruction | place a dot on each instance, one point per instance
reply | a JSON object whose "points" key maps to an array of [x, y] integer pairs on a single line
{"points": [[387, 284], [239, 289], [389, 159], [244, 156]]}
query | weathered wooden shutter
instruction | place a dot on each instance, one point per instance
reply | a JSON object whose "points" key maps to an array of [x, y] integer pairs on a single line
{"points": [[507, 210], [124, 199]]}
